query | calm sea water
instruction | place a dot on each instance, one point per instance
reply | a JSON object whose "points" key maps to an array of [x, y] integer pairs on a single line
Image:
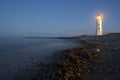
{"points": [[17, 52]]}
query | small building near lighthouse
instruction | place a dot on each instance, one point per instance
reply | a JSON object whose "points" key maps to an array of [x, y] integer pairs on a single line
{"points": [[99, 19]]}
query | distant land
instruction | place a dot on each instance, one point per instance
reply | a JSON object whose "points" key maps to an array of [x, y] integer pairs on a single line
{"points": [[72, 36], [51, 37]]}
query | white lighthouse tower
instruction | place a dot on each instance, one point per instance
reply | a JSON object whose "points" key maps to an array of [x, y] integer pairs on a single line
{"points": [[99, 19]]}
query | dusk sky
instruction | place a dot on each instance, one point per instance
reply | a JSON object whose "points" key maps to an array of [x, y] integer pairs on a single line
{"points": [[57, 17]]}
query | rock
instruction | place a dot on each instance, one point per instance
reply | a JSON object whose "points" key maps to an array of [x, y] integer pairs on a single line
{"points": [[109, 70], [100, 69], [78, 74], [98, 50], [89, 70], [117, 71], [77, 60]]}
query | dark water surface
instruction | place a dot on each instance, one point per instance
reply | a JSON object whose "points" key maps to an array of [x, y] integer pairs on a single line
{"points": [[17, 52]]}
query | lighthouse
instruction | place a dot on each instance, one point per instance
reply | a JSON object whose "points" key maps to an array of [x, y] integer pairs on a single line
{"points": [[25, 35], [99, 19]]}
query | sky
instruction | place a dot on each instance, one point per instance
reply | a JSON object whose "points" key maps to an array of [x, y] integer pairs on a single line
{"points": [[57, 17]]}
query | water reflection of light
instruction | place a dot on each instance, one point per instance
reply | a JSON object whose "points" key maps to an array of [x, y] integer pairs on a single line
{"points": [[25, 42]]}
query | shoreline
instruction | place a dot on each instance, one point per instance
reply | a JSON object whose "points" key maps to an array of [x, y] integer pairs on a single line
{"points": [[97, 59]]}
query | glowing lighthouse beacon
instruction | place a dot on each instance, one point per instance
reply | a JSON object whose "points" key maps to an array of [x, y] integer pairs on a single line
{"points": [[99, 19]]}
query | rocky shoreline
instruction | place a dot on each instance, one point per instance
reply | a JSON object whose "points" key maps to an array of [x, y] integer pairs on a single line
{"points": [[77, 61], [97, 59]]}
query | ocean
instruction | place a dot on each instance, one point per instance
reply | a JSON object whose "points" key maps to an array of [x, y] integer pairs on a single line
{"points": [[17, 52]]}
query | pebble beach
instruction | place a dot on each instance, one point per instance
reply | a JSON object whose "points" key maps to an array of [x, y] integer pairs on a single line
{"points": [[97, 58]]}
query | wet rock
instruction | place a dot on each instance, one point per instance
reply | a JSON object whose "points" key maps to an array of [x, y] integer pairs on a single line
{"points": [[76, 62]]}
